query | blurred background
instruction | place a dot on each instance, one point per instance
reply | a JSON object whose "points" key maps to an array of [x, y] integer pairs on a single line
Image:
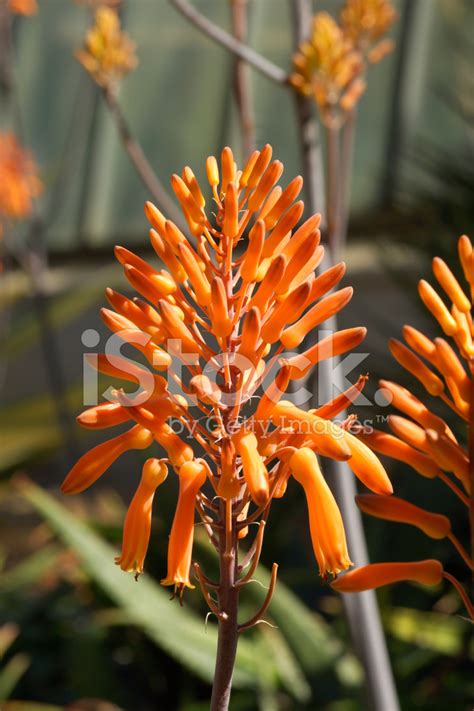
{"points": [[76, 632]]}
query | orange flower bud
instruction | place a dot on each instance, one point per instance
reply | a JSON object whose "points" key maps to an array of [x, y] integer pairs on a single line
{"points": [[271, 200], [176, 328], [132, 312], [375, 575], [151, 314], [465, 257], [250, 334], [329, 347], [137, 526], [244, 178], [451, 285], [420, 343], [221, 322], [282, 229], [410, 433], [260, 166], [326, 281], [436, 306], [212, 171], [192, 211], [452, 369], [193, 185], [285, 312], [107, 414], [266, 290], [165, 253], [229, 484], [155, 218], [116, 322], [272, 394], [325, 520], [192, 476], [303, 255], [267, 182], [125, 369], [328, 439], [228, 169], [251, 260], [367, 466], [198, 279], [450, 457], [392, 508], [231, 212], [178, 451], [391, 446], [307, 229], [463, 336], [255, 472], [97, 460], [342, 401], [287, 197], [320, 312], [207, 391], [125, 256], [405, 401], [416, 367]]}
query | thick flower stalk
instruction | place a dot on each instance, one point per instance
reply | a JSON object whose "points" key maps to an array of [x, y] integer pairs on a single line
{"points": [[19, 179], [215, 330], [445, 368], [108, 53]]}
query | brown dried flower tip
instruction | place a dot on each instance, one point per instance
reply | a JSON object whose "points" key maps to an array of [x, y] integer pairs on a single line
{"points": [[328, 67], [365, 22], [108, 53]]}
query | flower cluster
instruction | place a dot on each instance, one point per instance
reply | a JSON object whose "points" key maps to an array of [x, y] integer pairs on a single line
{"points": [[220, 323], [331, 65], [19, 179], [445, 368], [23, 7], [108, 53]]}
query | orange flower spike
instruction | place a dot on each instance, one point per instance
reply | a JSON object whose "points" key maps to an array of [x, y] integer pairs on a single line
{"points": [[450, 285], [166, 254], [287, 197], [412, 434], [367, 466], [221, 322], [107, 414], [198, 279], [192, 476], [391, 508], [332, 345], [137, 526], [342, 401], [97, 460], [320, 312], [280, 234], [229, 484], [178, 451], [231, 212], [251, 260], [287, 311], [260, 166], [420, 343], [271, 176], [450, 457], [255, 472], [375, 575], [251, 327], [325, 520], [436, 306], [390, 446], [227, 168], [268, 285], [327, 438], [416, 367], [465, 257], [406, 402]]}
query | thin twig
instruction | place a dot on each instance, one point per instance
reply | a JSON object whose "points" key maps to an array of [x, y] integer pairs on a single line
{"points": [[266, 603], [143, 168], [207, 596], [461, 592], [216, 33], [253, 555]]}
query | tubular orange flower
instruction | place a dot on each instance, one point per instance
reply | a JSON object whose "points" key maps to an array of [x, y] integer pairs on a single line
{"points": [[392, 508], [192, 476], [19, 179], [108, 54], [254, 469], [327, 529], [375, 575], [137, 526]]}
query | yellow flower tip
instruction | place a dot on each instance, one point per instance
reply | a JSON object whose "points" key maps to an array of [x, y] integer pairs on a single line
{"points": [[375, 575], [367, 467], [326, 525], [192, 475], [392, 508]]}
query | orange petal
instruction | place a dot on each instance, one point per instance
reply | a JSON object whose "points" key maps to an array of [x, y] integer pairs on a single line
{"points": [[250, 334], [287, 197], [412, 434], [267, 287], [250, 263], [450, 285], [329, 347], [436, 306], [198, 279], [450, 457], [342, 401], [326, 281], [227, 168], [285, 312], [282, 229], [404, 400], [391, 446], [391, 508], [332, 304], [367, 466], [221, 322], [107, 414], [255, 472], [212, 171], [231, 212], [260, 166], [167, 256], [271, 176], [416, 367], [465, 257], [375, 575], [420, 343]]}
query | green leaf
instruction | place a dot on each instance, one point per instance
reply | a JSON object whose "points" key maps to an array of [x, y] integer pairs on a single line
{"points": [[178, 631], [428, 630], [12, 673], [27, 572]]}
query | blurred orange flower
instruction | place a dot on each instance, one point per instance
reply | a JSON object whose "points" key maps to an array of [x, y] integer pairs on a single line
{"points": [[108, 53], [23, 7], [19, 179], [365, 22]]}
